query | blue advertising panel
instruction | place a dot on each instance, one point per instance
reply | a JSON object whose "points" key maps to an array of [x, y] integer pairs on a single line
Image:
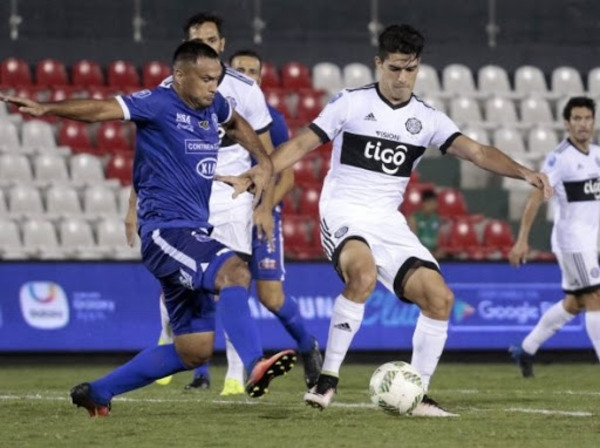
{"points": [[114, 306]]}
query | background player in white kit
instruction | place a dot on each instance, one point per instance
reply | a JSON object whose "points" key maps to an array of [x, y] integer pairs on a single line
{"points": [[379, 133], [574, 171]]}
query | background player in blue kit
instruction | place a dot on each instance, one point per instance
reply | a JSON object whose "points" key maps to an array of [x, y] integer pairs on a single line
{"points": [[176, 154]]}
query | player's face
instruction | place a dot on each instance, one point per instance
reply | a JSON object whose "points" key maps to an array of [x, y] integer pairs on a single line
{"points": [[208, 34], [398, 73], [247, 65], [197, 83], [580, 125]]}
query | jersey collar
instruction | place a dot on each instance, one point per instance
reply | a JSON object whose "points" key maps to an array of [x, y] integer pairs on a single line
{"points": [[390, 104]]}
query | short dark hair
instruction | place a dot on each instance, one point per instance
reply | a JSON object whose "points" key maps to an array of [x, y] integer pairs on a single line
{"points": [[199, 19], [248, 53], [191, 50], [428, 194], [579, 101], [400, 39]]}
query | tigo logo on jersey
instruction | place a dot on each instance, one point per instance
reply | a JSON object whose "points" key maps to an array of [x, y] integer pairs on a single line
{"points": [[206, 168], [44, 305], [197, 146]]}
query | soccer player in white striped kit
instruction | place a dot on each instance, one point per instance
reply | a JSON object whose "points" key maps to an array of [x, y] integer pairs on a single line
{"points": [[379, 133]]}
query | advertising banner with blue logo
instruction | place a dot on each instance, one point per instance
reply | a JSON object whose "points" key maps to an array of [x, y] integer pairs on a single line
{"points": [[114, 306]]}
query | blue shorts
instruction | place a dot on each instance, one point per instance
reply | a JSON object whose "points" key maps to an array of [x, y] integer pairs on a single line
{"points": [[186, 262], [266, 262]]}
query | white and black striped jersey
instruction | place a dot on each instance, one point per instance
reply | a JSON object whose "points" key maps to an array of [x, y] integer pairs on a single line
{"points": [[377, 145], [575, 177]]}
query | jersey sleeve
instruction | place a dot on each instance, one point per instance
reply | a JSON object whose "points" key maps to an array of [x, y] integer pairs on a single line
{"points": [[222, 108], [256, 111], [279, 130], [142, 106], [445, 131], [332, 118], [551, 168]]}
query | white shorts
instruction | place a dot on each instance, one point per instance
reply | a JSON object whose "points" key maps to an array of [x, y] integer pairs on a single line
{"points": [[231, 218], [580, 271], [394, 246]]}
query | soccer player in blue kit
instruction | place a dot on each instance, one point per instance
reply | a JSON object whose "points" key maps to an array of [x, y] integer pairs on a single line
{"points": [[176, 155]]}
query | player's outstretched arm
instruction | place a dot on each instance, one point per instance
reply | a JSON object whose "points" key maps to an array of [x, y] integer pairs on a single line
{"points": [[293, 150], [131, 218], [518, 253], [90, 111], [492, 159]]}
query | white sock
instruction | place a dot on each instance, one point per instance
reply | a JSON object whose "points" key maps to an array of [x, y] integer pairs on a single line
{"points": [[551, 321], [592, 325], [345, 322], [166, 332], [235, 366], [428, 341]]}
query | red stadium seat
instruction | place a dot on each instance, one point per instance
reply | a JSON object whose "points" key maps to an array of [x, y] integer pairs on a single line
{"points": [[153, 73], [123, 74], [296, 238], [269, 76], [309, 200], [50, 73], [462, 240], [75, 135], [14, 72], [61, 93], [451, 203], [276, 99], [305, 171], [120, 166], [412, 197], [112, 138], [87, 74], [295, 76], [309, 105], [34, 93], [497, 235]]}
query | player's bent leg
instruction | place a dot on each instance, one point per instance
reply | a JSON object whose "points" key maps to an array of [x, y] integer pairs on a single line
{"points": [[427, 289], [271, 295], [166, 335], [357, 267]]}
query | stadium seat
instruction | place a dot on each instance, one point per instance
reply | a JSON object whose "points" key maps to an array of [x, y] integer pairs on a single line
{"points": [[435, 102], [14, 168], [541, 141], [357, 75], [593, 82], [62, 201], [328, 77], [428, 82], [412, 197], [24, 200], [471, 176], [462, 240], [458, 80], [38, 134], [497, 236], [50, 72], [153, 73], [77, 240], [86, 169], [99, 201], [112, 139], [451, 203], [464, 110], [87, 74], [50, 168], [3, 207], [120, 166], [112, 242], [500, 111], [295, 76], [123, 74], [269, 76], [305, 171], [536, 110], [76, 136], [39, 236], [493, 80], [276, 99], [566, 81], [309, 201], [14, 72], [11, 247], [309, 105], [477, 133], [530, 80], [9, 136], [123, 199], [295, 235], [509, 140]]}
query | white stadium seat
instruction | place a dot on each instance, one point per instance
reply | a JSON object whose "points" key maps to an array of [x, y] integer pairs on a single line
{"points": [[24, 200], [38, 134], [327, 76], [493, 80], [428, 82], [39, 236], [86, 169], [11, 247], [62, 201], [99, 200], [77, 239], [566, 81], [50, 168], [458, 80], [9, 136], [357, 75], [14, 168], [536, 110], [530, 80], [501, 111]]}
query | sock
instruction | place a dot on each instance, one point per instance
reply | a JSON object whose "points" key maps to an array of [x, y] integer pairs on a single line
{"points": [[345, 322], [239, 325], [290, 318], [166, 334], [202, 370], [428, 342], [149, 365], [551, 321], [235, 366], [592, 325]]}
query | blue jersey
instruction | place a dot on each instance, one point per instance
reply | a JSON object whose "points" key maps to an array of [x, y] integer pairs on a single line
{"points": [[278, 131], [175, 157]]}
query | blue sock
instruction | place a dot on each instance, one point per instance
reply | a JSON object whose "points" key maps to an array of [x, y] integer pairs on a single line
{"points": [[239, 324], [289, 316], [148, 366], [202, 370]]}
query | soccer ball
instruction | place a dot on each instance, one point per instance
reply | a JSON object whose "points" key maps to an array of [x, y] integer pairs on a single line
{"points": [[396, 388]]}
